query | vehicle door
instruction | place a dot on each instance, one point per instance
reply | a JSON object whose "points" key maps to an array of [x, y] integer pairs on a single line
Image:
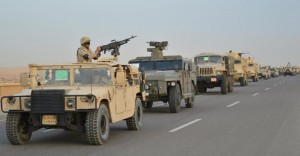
{"points": [[120, 90]]}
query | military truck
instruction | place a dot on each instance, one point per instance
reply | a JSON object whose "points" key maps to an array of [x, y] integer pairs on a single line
{"points": [[83, 97], [252, 70], [168, 78], [214, 70], [240, 68]]}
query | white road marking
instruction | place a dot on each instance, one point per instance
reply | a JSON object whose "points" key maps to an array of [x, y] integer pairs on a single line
{"points": [[185, 125], [48, 130], [233, 104], [2, 120], [267, 88], [255, 94]]}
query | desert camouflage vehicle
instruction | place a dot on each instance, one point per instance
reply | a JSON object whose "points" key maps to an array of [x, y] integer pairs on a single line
{"points": [[252, 70], [265, 72], [289, 70], [83, 97], [214, 70], [168, 78], [240, 68], [274, 72]]}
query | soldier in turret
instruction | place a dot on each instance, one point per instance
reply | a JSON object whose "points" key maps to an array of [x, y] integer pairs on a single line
{"points": [[84, 54]]}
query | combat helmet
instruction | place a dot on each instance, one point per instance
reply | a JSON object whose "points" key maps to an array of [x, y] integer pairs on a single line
{"points": [[84, 39]]}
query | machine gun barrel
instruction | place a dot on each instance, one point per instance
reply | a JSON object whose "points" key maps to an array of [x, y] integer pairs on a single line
{"points": [[115, 46]]}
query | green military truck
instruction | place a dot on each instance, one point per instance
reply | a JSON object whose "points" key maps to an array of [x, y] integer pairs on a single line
{"points": [[168, 78], [214, 70]]}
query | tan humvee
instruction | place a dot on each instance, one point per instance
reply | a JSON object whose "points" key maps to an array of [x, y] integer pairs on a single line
{"points": [[84, 97], [252, 70], [240, 68]]}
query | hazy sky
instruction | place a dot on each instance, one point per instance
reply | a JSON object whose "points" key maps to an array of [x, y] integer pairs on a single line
{"points": [[48, 32]]}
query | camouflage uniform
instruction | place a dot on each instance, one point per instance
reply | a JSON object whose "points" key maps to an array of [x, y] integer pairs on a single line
{"points": [[84, 54], [82, 51]]}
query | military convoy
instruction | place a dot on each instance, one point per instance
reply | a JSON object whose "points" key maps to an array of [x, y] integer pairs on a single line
{"points": [[214, 70], [86, 97], [167, 78]]}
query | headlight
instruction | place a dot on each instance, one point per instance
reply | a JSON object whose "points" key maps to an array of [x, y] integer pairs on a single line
{"points": [[11, 100], [173, 83], [71, 103], [218, 73], [28, 103]]}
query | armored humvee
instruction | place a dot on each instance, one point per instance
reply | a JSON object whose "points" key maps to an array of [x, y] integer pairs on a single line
{"points": [[168, 78], [265, 72], [214, 70], [274, 72], [252, 70], [240, 68], [288, 70], [83, 97]]}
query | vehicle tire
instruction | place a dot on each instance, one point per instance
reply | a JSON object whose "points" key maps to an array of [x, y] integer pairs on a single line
{"points": [[174, 99], [202, 89], [97, 125], [242, 81], [190, 100], [135, 122], [16, 124], [224, 85], [147, 104]]}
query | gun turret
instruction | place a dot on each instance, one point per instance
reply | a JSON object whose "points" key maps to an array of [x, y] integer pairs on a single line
{"points": [[157, 51]]}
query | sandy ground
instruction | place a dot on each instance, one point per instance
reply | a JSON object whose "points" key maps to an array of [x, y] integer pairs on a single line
{"points": [[11, 75]]}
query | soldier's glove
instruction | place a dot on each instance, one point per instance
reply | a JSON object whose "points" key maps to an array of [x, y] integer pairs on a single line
{"points": [[86, 56]]}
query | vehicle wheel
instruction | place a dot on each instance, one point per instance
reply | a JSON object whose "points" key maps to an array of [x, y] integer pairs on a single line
{"points": [[135, 122], [224, 85], [16, 128], [97, 125], [190, 100], [242, 81], [202, 89], [174, 99]]}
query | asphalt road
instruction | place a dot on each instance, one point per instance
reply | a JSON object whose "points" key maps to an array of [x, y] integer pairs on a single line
{"points": [[261, 119]]}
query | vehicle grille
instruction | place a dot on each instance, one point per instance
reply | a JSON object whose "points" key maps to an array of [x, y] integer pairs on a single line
{"points": [[47, 101], [205, 71]]}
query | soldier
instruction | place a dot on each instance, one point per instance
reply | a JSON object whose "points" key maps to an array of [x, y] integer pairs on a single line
{"points": [[84, 54]]}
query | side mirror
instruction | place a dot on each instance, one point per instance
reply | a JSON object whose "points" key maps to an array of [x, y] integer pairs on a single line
{"points": [[24, 79]]}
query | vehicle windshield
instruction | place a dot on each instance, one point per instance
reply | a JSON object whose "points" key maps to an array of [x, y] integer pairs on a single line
{"points": [[85, 76], [204, 59], [82, 76], [54, 76], [161, 65], [237, 62]]}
